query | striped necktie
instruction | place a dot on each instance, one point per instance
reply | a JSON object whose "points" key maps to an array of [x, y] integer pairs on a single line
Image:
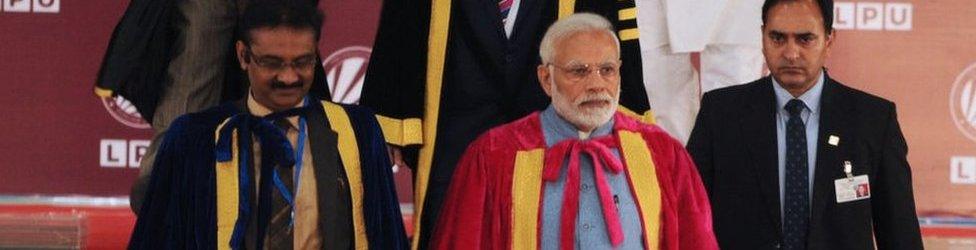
{"points": [[505, 6], [281, 231]]}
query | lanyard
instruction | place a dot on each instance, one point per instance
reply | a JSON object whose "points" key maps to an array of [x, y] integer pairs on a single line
{"points": [[299, 154]]}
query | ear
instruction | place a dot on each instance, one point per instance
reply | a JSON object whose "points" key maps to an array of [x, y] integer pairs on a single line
{"points": [[829, 41], [545, 78], [242, 57]]}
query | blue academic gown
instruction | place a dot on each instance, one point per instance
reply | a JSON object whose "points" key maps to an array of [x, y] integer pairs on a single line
{"points": [[181, 209]]}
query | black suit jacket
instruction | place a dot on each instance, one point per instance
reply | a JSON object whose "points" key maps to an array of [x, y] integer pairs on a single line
{"points": [[734, 145]]}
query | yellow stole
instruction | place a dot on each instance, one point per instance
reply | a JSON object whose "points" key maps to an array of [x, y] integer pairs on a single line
{"points": [[228, 183], [527, 189]]}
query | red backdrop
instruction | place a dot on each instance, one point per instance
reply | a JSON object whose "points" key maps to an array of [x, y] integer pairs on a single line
{"points": [[919, 54]]}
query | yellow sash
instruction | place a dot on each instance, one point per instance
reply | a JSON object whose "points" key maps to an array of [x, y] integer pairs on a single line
{"points": [[228, 185], [527, 189]]}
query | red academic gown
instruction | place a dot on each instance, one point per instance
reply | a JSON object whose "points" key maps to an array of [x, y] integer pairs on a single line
{"points": [[495, 196]]}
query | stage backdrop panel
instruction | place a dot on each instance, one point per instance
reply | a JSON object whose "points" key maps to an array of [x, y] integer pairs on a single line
{"points": [[58, 138], [922, 56], [61, 139]]}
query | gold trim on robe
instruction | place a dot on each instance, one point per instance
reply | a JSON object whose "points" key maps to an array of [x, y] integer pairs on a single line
{"points": [[228, 191], [440, 17], [627, 14], [647, 117], [643, 180], [401, 132], [628, 34], [349, 154], [526, 193], [102, 92], [566, 8]]}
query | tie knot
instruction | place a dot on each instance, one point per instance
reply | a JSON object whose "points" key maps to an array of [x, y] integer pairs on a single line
{"points": [[283, 124], [280, 118], [795, 106]]}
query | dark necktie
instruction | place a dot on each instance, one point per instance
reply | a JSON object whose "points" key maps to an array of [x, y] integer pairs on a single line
{"points": [[280, 229], [796, 206]]}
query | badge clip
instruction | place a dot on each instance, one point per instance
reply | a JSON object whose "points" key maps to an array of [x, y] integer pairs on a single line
{"points": [[848, 169]]}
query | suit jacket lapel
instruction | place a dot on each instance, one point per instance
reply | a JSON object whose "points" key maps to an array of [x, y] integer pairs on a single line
{"points": [[759, 129], [526, 9], [483, 18], [833, 118], [335, 210]]}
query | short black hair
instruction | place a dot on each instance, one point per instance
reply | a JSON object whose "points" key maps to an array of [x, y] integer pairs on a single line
{"points": [[296, 14], [826, 11]]}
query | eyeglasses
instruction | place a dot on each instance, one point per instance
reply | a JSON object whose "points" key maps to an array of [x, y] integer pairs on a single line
{"points": [[304, 64], [579, 71]]}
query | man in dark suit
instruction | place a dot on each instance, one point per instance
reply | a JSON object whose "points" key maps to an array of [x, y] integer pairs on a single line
{"points": [[782, 157]]}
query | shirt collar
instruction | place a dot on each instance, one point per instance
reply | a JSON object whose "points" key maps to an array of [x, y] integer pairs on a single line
{"points": [[258, 109], [811, 98]]}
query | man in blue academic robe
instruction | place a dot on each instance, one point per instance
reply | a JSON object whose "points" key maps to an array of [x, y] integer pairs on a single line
{"points": [[279, 169]]}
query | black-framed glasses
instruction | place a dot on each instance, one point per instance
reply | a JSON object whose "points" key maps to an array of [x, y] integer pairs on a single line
{"points": [[579, 71], [303, 64]]}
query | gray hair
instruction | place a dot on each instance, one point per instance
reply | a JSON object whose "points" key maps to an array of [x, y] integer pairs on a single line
{"points": [[575, 23]]}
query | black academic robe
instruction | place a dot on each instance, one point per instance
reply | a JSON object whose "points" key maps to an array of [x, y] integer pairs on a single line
{"points": [[202, 192], [443, 72], [142, 46]]}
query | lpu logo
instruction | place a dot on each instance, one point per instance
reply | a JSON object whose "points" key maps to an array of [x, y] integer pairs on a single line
{"points": [[346, 70], [962, 105], [124, 112], [873, 16], [34, 6], [962, 102]]}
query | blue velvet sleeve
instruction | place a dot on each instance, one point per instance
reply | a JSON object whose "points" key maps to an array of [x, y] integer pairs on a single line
{"points": [[381, 209]]}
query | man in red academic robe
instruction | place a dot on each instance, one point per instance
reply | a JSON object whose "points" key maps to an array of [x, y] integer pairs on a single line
{"points": [[580, 174]]}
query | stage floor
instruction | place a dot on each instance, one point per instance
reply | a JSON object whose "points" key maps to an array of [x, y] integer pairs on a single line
{"points": [[81, 222]]}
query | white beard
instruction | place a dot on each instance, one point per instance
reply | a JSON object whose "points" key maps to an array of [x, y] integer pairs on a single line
{"points": [[572, 111]]}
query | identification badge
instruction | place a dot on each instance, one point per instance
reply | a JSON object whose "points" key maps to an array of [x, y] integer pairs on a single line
{"points": [[852, 188]]}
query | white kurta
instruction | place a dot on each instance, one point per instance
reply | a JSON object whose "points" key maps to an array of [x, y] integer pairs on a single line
{"points": [[727, 35]]}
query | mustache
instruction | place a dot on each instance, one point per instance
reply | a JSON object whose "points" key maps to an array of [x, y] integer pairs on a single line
{"points": [[602, 96], [282, 85], [793, 64]]}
